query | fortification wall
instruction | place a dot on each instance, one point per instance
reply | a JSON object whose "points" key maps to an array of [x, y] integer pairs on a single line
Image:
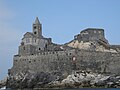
{"points": [[116, 47], [44, 61], [63, 61], [91, 34]]}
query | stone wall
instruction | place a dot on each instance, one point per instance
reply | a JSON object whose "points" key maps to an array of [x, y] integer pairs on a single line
{"points": [[116, 47], [27, 50], [91, 34], [66, 61]]}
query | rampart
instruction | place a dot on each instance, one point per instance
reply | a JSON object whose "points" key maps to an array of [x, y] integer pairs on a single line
{"points": [[67, 61]]}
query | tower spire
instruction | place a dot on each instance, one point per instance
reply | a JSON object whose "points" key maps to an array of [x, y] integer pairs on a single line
{"points": [[37, 21]]}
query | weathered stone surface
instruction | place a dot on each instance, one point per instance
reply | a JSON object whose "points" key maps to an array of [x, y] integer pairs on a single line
{"points": [[32, 80], [85, 79], [56, 80], [3, 82], [41, 63]]}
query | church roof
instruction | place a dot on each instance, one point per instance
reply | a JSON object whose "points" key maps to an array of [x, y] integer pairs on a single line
{"points": [[29, 34]]}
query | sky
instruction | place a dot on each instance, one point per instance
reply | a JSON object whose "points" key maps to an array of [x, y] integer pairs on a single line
{"points": [[61, 20]]}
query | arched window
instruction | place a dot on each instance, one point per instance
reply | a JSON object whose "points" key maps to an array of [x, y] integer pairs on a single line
{"points": [[23, 48], [46, 46], [34, 27], [99, 31], [27, 40], [35, 32]]}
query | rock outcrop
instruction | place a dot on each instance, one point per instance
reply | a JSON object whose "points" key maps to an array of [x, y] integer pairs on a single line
{"points": [[32, 80], [90, 45], [56, 80], [3, 82]]}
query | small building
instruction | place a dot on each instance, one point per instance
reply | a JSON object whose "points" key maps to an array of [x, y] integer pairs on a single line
{"points": [[91, 34]]}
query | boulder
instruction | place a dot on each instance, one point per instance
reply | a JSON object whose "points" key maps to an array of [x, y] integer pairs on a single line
{"points": [[3, 82]]}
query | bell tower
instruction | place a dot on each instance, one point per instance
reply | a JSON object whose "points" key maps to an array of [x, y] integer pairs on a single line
{"points": [[37, 28]]}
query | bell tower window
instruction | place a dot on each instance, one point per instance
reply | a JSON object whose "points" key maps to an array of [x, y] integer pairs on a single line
{"points": [[35, 32], [34, 27]]}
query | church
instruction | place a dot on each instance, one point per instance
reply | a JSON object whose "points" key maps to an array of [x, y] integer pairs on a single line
{"points": [[34, 42]]}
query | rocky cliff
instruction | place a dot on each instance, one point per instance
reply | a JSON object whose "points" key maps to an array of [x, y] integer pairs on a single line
{"points": [[77, 79]]}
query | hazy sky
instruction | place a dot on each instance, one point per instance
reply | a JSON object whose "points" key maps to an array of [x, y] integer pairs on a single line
{"points": [[61, 20]]}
